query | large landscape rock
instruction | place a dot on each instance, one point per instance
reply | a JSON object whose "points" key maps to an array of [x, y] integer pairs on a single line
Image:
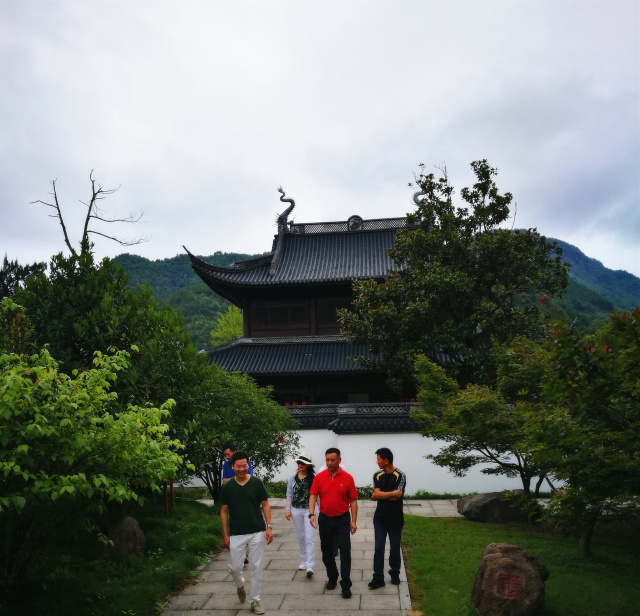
{"points": [[492, 507], [127, 538], [510, 582]]}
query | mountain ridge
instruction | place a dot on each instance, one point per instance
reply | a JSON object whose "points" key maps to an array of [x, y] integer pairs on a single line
{"points": [[594, 291]]}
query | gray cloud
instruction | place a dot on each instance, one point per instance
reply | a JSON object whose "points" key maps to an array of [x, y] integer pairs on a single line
{"points": [[199, 110]]}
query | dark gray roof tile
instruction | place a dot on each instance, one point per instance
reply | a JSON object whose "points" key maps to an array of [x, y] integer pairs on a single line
{"points": [[296, 355], [305, 258]]}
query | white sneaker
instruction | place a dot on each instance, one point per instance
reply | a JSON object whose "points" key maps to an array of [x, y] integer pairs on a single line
{"points": [[302, 566], [257, 609], [309, 572]]}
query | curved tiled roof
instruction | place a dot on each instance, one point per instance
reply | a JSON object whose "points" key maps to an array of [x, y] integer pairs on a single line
{"points": [[309, 258], [295, 355]]}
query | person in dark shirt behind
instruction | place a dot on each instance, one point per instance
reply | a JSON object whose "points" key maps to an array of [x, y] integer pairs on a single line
{"points": [[388, 490]]}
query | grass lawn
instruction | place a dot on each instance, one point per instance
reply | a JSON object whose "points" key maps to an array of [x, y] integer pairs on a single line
{"points": [[442, 556], [86, 582]]}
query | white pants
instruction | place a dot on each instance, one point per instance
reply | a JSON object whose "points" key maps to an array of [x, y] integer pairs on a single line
{"points": [[237, 552], [305, 533]]}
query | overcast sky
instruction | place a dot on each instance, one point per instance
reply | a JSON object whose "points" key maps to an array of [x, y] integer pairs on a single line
{"points": [[198, 111]]}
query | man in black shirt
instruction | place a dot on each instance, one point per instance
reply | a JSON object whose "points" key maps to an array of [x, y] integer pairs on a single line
{"points": [[388, 490]]}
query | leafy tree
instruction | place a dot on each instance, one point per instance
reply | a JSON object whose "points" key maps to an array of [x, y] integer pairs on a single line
{"points": [[67, 449], [483, 425], [83, 306], [16, 333], [230, 406], [78, 308], [13, 275], [588, 433], [461, 282], [228, 326], [199, 307]]}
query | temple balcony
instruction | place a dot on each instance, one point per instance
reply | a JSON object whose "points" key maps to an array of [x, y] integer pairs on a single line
{"points": [[357, 417]]}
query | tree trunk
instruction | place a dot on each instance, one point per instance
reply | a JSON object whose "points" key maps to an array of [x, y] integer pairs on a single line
{"points": [[585, 539], [213, 481], [526, 482]]}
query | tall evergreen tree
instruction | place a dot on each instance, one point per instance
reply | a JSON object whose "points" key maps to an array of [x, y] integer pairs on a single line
{"points": [[460, 282], [13, 275]]}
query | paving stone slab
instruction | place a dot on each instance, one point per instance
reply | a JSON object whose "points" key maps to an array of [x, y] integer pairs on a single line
{"points": [[214, 576], [320, 602], [187, 602], [268, 602], [331, 612], [362, 588], [380, 602], [306, 587], [230, 612]]}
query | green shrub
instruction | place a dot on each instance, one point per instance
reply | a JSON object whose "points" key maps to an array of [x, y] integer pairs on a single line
{"points": [[426, 495], [276, 489]]}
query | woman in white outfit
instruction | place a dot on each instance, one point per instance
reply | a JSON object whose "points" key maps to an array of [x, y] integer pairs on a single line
{"points": [[297, 508]]}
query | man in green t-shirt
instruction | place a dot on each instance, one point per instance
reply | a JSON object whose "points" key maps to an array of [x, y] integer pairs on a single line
{"points": [[244, 503]]}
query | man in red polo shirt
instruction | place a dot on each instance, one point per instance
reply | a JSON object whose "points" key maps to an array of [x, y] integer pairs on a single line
{"points": [[337, 492]]}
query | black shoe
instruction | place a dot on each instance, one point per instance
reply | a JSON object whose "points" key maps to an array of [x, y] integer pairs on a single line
{"points": [[395, 578], [330, 585], [246, 561], [346, 593], [375, 583]]}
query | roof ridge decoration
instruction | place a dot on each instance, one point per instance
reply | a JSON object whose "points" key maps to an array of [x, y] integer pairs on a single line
{"points": [[352, 224], [277, 340], [282, 229]]}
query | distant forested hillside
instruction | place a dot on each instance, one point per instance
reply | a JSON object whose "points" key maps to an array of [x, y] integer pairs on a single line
{"points": [[174, 282], [594, 290], [621, 287], [166, 276]]}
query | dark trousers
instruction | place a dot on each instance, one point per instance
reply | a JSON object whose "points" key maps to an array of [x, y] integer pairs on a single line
{"points": [[381, 530], [335, 529]]}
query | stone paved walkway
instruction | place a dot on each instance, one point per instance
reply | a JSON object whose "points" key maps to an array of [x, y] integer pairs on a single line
{"points": [[287, 592]]}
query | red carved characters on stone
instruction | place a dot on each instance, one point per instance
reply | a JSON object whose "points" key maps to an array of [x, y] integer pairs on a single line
{"points": [[509, 585]]}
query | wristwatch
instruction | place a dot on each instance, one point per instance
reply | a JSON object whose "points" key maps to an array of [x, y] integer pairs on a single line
{"points": [[312, 515], [269, 526]]}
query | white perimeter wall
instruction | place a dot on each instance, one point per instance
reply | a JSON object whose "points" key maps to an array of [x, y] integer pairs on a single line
{"points": [[409, 449]]}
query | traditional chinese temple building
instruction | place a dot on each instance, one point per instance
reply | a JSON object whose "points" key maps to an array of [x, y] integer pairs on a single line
{"points": [[292, 342], [291, 337]]}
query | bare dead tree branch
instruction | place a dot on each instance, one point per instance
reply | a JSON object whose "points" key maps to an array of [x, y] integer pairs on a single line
{"points": [[94, 212], [58, 215], [133, 242]]}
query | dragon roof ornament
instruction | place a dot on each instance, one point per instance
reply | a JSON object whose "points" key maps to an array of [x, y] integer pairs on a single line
{"points": [[282, 218], [282, 229], [416, 196]]}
